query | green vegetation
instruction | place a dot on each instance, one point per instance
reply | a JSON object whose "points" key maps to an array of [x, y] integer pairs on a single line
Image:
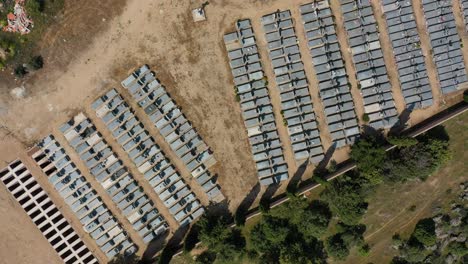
{"points": [[416, 161], [303, 231], [339, 244], [402, 141], [425, 232], [439, 238], [224, 244], [346, 198], [465, 96], [290, 232], [369, 155], [365, 118]]}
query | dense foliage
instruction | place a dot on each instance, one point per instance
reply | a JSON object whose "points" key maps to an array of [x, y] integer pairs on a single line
{"points": [[290, 232], [424, 232], [339, 244], [346, 198], [416, 161], [223, 243], [412, 159], [369, 156]]}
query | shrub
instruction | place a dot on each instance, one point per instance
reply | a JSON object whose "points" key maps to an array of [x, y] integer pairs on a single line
{"points": [[365, 118], [364, 250], [465, 96], [458, 248], [37, 62], [336, 247], [20, 71], [332, 166], [346, 199], [396, 240], [424, 232]]}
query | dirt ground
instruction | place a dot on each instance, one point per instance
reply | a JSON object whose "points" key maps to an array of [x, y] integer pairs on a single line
{"points": [[97, 43]]}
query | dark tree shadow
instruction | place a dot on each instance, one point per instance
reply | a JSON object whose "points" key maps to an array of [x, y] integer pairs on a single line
{"points": [[297, 177], [370, 133], [174, 244], [402, 122], [241, 212], [270, 191], [327, 157], [153, 248], [437, 132]]}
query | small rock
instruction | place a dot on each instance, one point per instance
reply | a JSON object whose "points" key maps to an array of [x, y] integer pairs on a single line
{"points": [[449, 259], [19, 92], [437, 218], [461, 238], [457, 209], [455, 221]]}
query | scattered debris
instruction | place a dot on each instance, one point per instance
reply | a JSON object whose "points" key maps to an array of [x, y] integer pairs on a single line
{"points": [[198, 14], [18, 21]]}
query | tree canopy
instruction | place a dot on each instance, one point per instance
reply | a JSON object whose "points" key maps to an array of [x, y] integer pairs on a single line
{"points": [[289, 233], [223, 242], [346, 198], [369, 156], [424, 232]]}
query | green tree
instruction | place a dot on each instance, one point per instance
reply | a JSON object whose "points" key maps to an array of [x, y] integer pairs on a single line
{"points": [[269, 234], [314, 221], [291, 210], [364, 250], [369, 156], [206, 257], [413, 251], [279, 240], [424, 232], [440, 151], [457, 248], [416, 161], [396, 240], [346, 199], [336, 247], [221, 240]]}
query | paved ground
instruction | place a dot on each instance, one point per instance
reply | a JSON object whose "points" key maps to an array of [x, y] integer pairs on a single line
{"points": [[189, 59]]}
